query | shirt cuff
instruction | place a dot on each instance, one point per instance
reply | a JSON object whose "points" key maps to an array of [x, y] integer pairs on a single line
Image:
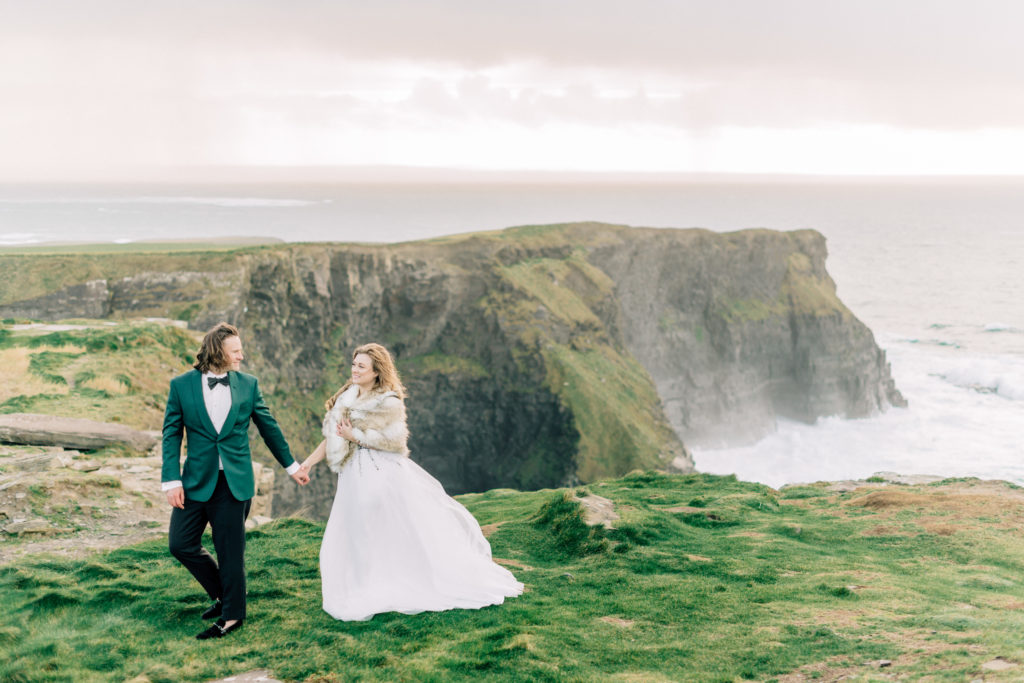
{"points": [[293, 468], [168, 485]]}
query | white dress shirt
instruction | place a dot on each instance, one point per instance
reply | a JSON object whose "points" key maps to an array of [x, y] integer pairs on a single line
{"points": [[218, 401], [218, 404]]}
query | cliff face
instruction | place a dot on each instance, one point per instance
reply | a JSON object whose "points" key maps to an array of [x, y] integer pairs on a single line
{"points": [[740, 328], [534, 356]]}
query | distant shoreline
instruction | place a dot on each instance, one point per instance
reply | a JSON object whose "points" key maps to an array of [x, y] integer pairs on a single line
{"points": [[213, 243]]}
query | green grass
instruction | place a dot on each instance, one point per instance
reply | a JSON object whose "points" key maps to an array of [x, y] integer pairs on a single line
{"points": [[113, 373], [703, 579]]}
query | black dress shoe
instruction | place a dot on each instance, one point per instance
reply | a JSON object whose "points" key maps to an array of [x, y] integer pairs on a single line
{"points": [[213, 611], [219, 630]]}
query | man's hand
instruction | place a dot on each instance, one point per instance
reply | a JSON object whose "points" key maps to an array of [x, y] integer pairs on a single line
{"points": [[301, 476], [176, 497]]}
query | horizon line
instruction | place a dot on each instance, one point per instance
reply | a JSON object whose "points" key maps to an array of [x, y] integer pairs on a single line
{"points": [[380, 174]]}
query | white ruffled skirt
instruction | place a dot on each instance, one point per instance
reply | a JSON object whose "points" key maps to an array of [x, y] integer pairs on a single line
{"points": [[396, 542]]}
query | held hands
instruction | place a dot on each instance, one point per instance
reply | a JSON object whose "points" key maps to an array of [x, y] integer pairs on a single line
{"points": [[301, 476]]}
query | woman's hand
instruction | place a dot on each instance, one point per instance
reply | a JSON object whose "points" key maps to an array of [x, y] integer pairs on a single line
{"points": [[345, 429]]}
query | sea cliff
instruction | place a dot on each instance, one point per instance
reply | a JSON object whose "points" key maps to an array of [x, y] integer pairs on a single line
{"points": [[535, 356]]}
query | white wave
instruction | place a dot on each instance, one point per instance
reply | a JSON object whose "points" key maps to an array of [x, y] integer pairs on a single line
{"points": [[1000, 375], [1000, 327], [959, 423]]}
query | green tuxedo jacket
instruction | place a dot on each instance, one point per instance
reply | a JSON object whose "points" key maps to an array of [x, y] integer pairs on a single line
{"points": [[186, 413]]}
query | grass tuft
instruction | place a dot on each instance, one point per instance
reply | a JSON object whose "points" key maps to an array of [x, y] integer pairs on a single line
{"points": [[566, 520]]}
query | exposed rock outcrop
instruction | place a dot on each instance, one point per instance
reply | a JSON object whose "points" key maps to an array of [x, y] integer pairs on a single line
{"points": [[71, 433], [534, 356]]}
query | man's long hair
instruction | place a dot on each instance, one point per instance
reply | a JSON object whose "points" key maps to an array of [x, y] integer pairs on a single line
{"points": [[211, 353], [383, 365]]}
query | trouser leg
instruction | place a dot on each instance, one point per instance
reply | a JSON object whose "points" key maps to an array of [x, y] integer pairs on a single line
{"points": [[185, 541], [227, 520]]}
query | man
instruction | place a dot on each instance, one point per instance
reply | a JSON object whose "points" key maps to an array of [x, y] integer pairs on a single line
{"points": [[214, 403]]}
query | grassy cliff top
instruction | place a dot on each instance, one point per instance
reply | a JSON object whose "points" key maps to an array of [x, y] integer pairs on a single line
{"points": [[116, 372], [702, 578]]}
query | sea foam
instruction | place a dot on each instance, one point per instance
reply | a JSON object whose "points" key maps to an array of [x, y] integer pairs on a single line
{"points": [[963, 420]]}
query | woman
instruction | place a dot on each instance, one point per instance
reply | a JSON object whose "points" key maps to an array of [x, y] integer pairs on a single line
{"points": [[395, 541]]}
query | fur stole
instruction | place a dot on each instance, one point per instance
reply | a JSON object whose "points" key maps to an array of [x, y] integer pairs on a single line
{"points": [[378, 423]]}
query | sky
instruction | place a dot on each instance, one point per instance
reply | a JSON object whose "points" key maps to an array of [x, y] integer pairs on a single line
{"points": [[97, 88]]}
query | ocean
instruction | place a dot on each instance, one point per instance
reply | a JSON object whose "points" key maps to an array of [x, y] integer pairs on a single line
{"points": [[935, 267]]}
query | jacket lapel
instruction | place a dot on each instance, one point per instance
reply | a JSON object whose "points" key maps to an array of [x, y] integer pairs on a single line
{"points": [[233, 382], [197, 398]]}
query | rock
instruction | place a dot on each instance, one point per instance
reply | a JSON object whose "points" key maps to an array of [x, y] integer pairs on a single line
{"points": [[999, 664], [262, 502], [31, 526], [85, 300], [880, 479], [71, 432], [37, 462], [60, 461], [907, 479], [138, 469], [257, 520], [85, 465], [598, 510]]}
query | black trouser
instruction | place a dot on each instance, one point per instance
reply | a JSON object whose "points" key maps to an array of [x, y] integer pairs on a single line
{"points": [[226, 516]]}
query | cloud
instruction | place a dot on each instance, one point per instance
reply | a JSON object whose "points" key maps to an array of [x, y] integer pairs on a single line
{"points": [[197, 82]]}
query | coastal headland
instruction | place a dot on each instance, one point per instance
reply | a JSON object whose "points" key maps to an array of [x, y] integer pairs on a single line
{"points": [[557, 374], [535, 356]]}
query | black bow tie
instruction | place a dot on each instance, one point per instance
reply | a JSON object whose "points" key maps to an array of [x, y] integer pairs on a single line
{"points": [[214, 381]]}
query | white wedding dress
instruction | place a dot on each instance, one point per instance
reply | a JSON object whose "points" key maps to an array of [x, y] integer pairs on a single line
{"points": [[396, 542]]}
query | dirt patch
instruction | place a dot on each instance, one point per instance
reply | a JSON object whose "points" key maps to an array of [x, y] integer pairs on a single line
{"points": [[489, 529], [915, 645], [829, 671], [841, 618], [972, 497], [880, 500], [945, 510], [883, 530], [617, 621], [513, 563]]}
